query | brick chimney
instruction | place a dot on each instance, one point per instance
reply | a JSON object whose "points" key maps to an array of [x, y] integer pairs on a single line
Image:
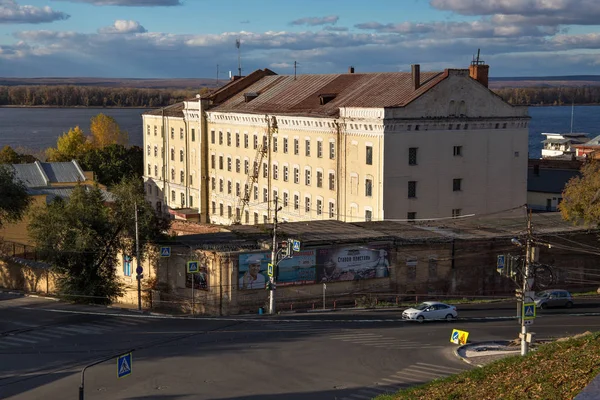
{"points": [[479, 71], [350, 70], [416, 76]]}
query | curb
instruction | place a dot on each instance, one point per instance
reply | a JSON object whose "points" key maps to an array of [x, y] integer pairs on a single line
{"points": [[465, 346]]}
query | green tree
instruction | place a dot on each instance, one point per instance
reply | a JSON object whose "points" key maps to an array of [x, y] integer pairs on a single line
{"points": [[9, 156], [106, 131], [81, 238], [113, 162], [14, 199], [69, 146], [581, 196]]}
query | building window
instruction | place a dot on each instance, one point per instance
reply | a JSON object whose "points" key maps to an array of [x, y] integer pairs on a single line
{"points": [[149, 150], [412, 156], [368, 215], [411, 215], [214, 207], [172, 133], [265, 170], [237, 141], [221, 209], [229, 139], [155, 130], [149, 169], [296, 146], [331, 181], [213, 161], [275, 144], [285, 199], [191, 180], [456, 184], [173, 174], [319, 179], [181, 155], [255, 218], [245, 140], [156, 170], [296, 202], [229, 164], [237, 165], [180, 133], [275, 195], [229, 187], [246, 167], [265, 220], [433, 262], [212, 136], [331, 150], [220, 137], [181, 177], [331, 210], [307, 177], [237, 189], [265, 142], [155, 151], [265, 195], [255, 142], [148, 129], [369, 155], [368, 187], [307, 204], [319, 207], [275, 172], [172, 195], [237, 213], [285, 173], [307, 147], [457, 151], [229, 212], [255, 192], [247, 216], [221, 185], [221, 162], [296, 175], [127, 265], [319, 149], [172, 154], [213, 183], [193, 135], [412, 189], [456, 212], [285, 145], [182, 199]]}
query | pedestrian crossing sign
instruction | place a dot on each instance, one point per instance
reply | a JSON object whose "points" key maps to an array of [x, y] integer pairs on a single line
{"points": [[192, 267], [528, 311], [165, 252], [459, 337], [124, 365], [270, 269]]}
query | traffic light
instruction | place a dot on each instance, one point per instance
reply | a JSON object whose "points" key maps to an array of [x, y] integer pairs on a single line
{"points": [[270, 285]]}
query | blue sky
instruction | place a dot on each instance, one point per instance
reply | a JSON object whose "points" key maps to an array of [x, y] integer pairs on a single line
{"points": [[188, 38]]}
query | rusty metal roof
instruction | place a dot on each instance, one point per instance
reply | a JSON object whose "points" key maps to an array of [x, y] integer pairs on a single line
{"points": [[175, 110], [286, 94]]}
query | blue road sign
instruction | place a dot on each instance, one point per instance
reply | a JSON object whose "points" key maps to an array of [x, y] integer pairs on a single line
{"points": [[455, 336], [192, 267], [296, 245], [529, 311], [139, 270], [500, 263], [124, 365], [165, 252]]}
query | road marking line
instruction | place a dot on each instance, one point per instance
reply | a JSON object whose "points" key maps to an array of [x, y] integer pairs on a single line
{"points": [[365, 340], [407, 376], [394, 381], [438, 367], [355, 336], [38, 336], [15, 339]]}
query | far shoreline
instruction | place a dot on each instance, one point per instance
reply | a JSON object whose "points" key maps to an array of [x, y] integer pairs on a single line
{"points": [[84, 107]]}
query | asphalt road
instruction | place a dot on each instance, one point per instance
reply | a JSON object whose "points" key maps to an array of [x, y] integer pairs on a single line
{"points": [[339, 355]]}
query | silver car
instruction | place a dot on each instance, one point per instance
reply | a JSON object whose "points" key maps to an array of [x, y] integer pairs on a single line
{"points": [[430, 310], [553, 298]]}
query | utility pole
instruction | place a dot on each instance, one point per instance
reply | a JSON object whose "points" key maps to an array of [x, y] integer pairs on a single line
{"points": [[529, 255], [273, 262], [138, 270]]}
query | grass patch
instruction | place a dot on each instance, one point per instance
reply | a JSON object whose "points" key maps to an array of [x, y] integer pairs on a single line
{"points": [[558, 370]]}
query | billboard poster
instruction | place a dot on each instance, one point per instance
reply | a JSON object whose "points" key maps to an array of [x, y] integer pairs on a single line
{"points": [[352, 263], [298, 270]]}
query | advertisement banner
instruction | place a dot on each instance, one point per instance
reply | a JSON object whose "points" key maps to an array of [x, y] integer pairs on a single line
{"points": [[252, 270], [352, 263], [298, 270]]}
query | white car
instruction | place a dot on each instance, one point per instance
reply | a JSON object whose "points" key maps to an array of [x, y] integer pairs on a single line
{"points": [[430, 310]]}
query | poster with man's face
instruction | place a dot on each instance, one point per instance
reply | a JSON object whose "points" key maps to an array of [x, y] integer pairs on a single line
{"points": [[252, 270], [352, 263]]}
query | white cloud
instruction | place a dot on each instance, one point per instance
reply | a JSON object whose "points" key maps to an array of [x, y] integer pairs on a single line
{"points": [[314, 21], [129, 3], [13, 13], [123, 26]]}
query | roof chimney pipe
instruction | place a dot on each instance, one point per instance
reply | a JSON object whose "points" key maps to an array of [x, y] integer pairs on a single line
{"points": [[350, 70], [416, 76], [479, 70]]}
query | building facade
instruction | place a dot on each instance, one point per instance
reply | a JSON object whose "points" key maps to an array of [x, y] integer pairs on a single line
{"points": [[349, 147]]}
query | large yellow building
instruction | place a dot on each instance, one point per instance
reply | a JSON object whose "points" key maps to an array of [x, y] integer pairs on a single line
{"points": [[349, 147]]}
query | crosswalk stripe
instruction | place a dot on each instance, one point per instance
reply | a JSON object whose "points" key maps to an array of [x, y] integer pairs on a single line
{"points": [[416, 370], [415, 377], [98, 327], [437, 367], [395, 381]]}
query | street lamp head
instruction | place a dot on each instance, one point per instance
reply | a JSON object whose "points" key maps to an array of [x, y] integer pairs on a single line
{"points": [[516, 242]]}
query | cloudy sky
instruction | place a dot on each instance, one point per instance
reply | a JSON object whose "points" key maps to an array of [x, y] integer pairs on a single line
{"points": [[189, 38]]}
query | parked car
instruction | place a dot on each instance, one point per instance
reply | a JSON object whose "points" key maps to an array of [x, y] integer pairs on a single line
{"points": [[553, 298], [430, 310]]}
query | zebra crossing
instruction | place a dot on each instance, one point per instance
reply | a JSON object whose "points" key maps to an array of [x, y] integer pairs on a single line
{"points": [[43, 335], [412, 375], [379, 341]]}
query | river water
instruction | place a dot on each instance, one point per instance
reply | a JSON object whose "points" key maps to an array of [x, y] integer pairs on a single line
{"points": [[36, 129]]}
